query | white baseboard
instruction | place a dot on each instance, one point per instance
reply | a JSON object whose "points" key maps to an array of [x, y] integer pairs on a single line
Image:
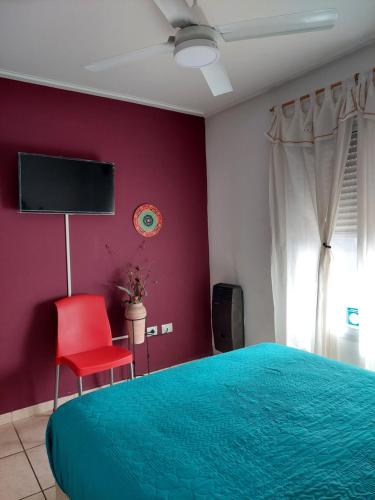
{"points": [[42, 408], [31, 411], [47, 406]]}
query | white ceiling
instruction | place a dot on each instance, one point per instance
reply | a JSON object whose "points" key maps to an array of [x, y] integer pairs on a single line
{"points": [[49, 41]]}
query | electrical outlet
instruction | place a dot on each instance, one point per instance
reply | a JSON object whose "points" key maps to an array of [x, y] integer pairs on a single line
{"points": [[167, 328], [152, 330]]}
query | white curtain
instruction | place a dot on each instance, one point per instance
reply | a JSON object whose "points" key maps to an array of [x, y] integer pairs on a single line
{"points": [[308, 152], [330, 162], [366, 217]]}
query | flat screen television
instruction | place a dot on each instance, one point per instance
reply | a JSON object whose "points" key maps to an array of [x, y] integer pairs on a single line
{"points": [[57, 185]]}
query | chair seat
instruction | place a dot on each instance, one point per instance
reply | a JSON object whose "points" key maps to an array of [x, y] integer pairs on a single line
{"points": [[97, 360]]}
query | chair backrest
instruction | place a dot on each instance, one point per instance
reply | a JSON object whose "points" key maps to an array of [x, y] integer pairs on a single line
{"points": [[82, 324]]}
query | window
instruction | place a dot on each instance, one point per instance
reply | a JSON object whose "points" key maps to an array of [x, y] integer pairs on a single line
{"points": [[344, 248], [346, 223]]}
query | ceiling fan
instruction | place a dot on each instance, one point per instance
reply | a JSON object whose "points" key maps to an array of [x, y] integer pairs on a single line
{"points": [[195, 44]]}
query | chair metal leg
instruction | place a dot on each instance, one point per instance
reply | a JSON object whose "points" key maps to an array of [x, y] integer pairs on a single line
{"points": [[80, 386], [131, 370], [56, 387], [111, 372]]}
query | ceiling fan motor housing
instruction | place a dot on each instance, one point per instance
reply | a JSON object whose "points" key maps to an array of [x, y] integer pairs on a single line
{"points": [[196, 46]]}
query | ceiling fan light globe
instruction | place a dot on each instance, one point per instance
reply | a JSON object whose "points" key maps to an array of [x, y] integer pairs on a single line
{"points": [[196, 53]]}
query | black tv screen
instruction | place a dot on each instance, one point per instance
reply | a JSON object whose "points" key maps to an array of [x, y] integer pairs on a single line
{"points": [[53, 184]]}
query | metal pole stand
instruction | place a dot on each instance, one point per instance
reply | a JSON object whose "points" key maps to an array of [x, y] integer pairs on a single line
{"points": [[132, 347]]}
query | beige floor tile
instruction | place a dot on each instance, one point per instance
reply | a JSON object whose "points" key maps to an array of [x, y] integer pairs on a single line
{"points": [[50, 493], [9, 442], [6, 418], [17, 479], [32, 430], [37, 496], [39, 461]]}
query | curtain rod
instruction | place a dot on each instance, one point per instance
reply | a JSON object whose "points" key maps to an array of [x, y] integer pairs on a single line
{"points": [[317, 92]]}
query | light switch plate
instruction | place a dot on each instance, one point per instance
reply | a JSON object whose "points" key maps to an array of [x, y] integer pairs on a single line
{"points": [[167, 328]]}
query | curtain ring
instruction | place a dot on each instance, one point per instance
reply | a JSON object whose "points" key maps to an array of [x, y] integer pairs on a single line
{"points": [[326, 246]]}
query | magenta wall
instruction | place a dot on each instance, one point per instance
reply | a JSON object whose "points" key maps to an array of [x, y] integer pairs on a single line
{"points": [[160, 158]]}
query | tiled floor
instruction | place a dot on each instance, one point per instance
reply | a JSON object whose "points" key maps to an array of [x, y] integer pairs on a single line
{"points": [[24, 468]]}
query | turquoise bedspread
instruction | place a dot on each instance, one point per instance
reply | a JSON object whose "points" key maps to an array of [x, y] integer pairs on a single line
{"points": [[265, 422]]}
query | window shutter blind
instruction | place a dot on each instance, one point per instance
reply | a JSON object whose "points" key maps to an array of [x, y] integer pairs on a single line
{"points": [[346, 222]]}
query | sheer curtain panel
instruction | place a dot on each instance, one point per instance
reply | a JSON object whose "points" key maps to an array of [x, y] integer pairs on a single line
{"points": [[365, 96], [307, 160]]}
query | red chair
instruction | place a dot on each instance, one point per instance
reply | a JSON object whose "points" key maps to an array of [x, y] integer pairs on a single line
{"points": [[84, 339]]}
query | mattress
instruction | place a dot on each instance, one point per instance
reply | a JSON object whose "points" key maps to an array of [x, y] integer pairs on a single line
{"points": [[264, 422]]}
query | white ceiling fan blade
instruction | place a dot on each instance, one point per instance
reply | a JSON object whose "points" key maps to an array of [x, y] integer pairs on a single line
{"points": [[199, 14], [177, 12], [217, 78], [132, 56], [279, 25]]}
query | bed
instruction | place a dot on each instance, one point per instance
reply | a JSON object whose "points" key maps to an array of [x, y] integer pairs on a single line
{"points": [[264, 422]]}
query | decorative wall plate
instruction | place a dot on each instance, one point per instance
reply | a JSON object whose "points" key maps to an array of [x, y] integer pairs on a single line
{"points": [[147, 220]]}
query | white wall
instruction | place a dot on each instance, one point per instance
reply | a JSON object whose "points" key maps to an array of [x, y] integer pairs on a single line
{"points": [[237, 170]]}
